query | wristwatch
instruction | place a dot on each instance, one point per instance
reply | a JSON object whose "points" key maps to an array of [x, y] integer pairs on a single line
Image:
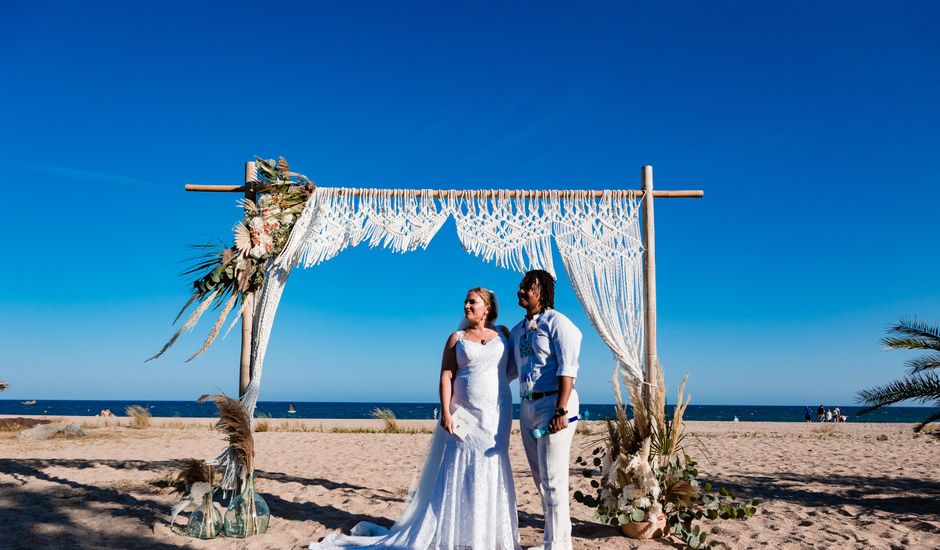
{"points": [[559, 412]]}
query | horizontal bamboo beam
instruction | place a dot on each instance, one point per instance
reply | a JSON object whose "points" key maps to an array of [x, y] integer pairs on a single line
{"points": [[658, 193]]}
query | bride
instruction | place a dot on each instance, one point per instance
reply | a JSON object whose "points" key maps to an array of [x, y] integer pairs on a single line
{"points": [[465, 497]]}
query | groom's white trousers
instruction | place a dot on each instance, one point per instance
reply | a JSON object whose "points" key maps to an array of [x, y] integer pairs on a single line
{"points": [[549, 459]]}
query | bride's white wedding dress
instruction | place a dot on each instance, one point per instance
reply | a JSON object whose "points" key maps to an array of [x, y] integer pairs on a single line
{"points": [[465, 498]]}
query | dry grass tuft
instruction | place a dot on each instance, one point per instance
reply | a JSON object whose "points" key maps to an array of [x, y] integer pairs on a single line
{"points": [[388, 417], [20, 423], [262, 424], [140, 416], [824, 429]]}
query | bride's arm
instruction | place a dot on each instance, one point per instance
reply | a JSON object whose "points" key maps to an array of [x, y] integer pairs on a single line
{"points": [[448, 368]]}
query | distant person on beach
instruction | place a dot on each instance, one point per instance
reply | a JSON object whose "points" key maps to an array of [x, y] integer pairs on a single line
{"points": [[106, 412], [436, 412], [837, 415], [465, 497], [821, 413], [807, 414], [545, 348], [828, 415]]}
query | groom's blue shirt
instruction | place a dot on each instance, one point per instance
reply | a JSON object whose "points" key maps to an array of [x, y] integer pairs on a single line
{"points": [[543, 348]]}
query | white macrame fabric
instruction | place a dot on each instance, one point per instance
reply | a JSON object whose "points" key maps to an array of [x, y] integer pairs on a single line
{"points": [[514, 233], [598, 239], [403, 222], [600, 245]]}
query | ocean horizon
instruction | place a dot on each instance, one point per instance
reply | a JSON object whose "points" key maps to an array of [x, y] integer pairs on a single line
{"points": [[417, 411]]}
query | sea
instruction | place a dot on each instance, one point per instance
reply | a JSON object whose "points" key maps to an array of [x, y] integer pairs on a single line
{"points": [[346, 410]]}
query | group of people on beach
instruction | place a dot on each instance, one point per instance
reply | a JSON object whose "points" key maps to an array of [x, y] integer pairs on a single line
{"points": [[824, 414], [465, 496]]}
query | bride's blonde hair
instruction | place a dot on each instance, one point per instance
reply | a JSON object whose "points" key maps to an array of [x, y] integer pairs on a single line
{"points": [[489, 298]]}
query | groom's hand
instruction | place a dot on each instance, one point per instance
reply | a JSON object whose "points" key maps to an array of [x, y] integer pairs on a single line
{"points": [[558, 423]]}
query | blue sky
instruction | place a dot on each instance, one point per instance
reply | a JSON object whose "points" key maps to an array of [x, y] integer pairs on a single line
{"points": [[812, 127]]}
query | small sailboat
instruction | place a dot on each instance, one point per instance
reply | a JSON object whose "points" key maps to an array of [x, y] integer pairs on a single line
{"points": [[30, 402], [291, 409]]}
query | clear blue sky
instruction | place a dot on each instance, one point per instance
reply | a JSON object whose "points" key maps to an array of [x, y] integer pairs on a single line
{"points": [[811, 126]]}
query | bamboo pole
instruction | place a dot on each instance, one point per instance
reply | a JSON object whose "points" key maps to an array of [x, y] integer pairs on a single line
{"points": [[527, 193], [649, 281], [244, 373]]}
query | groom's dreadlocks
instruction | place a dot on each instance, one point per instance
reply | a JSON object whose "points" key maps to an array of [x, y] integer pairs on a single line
{"points": [[546, 283]]}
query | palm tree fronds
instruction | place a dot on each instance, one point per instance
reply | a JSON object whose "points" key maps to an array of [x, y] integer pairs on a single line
{"points": [[234, 422], [908, 342], [923, 363], [918, 387], [217, 326], [918, 329]]}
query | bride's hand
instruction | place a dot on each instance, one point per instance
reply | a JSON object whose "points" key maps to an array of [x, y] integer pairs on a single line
{"points": [[447, 422]]}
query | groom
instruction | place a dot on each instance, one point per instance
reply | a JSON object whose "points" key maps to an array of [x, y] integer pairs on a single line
{"points": [[545, 348]]}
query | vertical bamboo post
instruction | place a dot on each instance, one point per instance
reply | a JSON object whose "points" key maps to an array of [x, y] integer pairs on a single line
{"points": [[244, 374], [649, 281]]}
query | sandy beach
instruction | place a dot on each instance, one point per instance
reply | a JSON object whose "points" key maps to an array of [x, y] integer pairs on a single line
{"points": [[824, 486]]}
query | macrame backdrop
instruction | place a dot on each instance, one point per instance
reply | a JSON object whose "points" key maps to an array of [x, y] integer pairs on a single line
{"points": [[598, 239]]}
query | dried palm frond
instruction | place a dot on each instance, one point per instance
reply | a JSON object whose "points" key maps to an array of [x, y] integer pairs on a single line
{"points": [[680, 491], [217, 326], [234, 421], [193, 471], [242, 238], [250, 207]]}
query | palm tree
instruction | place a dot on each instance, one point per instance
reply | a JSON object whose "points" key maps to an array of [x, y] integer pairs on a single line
{"points": [[922, 382]]}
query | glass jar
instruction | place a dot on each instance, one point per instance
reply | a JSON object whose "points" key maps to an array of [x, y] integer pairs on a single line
{"points": [[248, 513], [206, 521]]}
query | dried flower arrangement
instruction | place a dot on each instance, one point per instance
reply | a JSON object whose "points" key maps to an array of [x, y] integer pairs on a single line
{"points": [[645, 481]]}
